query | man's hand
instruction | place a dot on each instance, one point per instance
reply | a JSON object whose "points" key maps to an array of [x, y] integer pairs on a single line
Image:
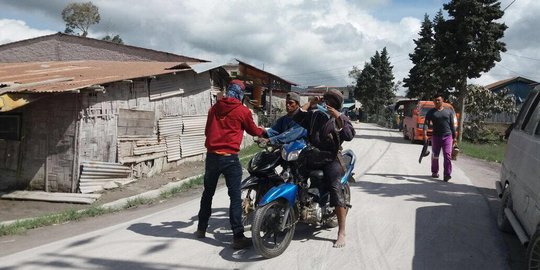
{"points": [[263, 141], [333, 112]]}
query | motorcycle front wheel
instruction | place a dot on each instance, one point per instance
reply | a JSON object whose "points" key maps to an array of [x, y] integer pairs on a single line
{"points": [[268, 237]]}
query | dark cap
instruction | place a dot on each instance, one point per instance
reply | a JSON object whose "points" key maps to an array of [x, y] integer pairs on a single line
{"points": [[334, 98], [293, 96]]}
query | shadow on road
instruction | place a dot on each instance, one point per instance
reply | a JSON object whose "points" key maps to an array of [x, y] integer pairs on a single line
{"points": [[86, 262], [219, 221], [390, 139], [454, 234]]}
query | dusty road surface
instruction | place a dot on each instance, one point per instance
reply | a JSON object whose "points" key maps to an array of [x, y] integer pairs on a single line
{"points": [[401, 219]]}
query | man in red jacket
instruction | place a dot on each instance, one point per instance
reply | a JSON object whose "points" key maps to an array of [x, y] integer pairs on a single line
{"points": [[225, 126]]}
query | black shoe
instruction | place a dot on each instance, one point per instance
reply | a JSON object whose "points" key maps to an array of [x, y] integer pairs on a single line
{"points": [[241, 242], [200, 234], [435, 175], [447, 178]]}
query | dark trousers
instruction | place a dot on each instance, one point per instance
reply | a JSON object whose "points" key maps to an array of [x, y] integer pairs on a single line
{"points": [[332, 177], [231, 168]]}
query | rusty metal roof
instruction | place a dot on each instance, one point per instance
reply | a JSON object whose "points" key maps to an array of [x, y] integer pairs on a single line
{"points": [[266, 72], [64, 76]]}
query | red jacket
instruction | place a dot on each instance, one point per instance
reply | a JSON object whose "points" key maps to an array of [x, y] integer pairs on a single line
{"points": [[225, 126]]}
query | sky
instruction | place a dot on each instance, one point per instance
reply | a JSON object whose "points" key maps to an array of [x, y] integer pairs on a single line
{"points": [[309, 42]]}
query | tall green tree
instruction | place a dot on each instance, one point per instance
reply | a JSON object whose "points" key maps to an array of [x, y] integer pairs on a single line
{"points": [[80, 16], [471, 38], [386, 77], [444, 73], [374, 83], [364, 89], [424, 77]]}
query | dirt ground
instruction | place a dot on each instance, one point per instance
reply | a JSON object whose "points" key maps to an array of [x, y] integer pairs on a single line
{"points": [[18, 209]]}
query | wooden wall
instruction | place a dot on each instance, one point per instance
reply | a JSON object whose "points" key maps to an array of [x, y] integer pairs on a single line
{"points": [[43, 158], [119, 124]]}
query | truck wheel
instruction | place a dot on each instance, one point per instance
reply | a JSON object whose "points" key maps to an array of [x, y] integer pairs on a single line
{"points": [[533, 251], [502, 220]]}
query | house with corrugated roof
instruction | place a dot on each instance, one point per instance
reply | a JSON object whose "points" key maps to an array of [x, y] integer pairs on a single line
{"points": [[517, 86], [78, 114]]}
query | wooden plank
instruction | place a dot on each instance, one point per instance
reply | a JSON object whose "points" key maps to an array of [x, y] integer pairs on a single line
{"points": [[28, 195], [53, 194], [141, 158]]}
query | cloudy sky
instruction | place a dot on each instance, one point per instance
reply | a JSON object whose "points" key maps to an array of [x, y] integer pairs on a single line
{"points": [[310, 42]]}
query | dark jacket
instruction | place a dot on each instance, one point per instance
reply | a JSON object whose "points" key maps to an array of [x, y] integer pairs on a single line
{"points": [[322, 131]]}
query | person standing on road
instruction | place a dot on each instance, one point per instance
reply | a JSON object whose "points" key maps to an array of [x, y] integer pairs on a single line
{"points": [[327, 129], [441, 120], [225, 126], [285, 130]]}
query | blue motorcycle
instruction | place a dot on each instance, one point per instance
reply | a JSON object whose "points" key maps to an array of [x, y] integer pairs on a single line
{"points": [[302, 198]]}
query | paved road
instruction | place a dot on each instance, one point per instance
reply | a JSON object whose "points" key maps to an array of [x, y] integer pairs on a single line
{"points": [[401, 219]]}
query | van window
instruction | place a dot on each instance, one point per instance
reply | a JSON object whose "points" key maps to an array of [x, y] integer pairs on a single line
{"points": [[532, 126], [526, 110]]}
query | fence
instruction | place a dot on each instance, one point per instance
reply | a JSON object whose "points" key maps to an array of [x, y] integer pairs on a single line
{"points": [[499, 118]]}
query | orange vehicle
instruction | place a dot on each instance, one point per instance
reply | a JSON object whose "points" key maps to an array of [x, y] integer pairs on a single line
{"points": [[414, 113]]}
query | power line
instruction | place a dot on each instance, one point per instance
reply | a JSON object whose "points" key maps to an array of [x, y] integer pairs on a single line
{"points": [[508, 5], [526, 57]]}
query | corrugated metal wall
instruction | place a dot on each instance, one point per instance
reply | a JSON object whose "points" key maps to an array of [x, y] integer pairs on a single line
{"points": [[192, 140]]}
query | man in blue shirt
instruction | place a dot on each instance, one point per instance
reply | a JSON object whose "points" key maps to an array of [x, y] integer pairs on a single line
{"points": [[285, 130]]}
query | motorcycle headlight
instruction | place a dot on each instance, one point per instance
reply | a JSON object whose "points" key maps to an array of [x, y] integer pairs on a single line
{"points": [[293, 155]]}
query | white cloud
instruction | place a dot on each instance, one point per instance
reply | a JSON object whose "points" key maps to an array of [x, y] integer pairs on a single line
{"points": [[306, 41], [15, 30]]}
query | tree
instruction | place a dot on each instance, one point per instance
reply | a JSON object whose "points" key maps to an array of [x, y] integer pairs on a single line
{"points": [[446, 84], [470, 42], [386, 77], [424, 77], [80, 16], [481, 104], [115, 39], [374, 83]]}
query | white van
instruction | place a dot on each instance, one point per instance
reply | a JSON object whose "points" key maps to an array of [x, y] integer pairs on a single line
{"points": [[519, 185]]}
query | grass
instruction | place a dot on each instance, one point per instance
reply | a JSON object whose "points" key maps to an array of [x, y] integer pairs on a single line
{"points": [[489, 151], [65, 216], [21, 226]]}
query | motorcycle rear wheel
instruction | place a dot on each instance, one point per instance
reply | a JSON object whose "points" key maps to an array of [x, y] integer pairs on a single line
{"points": [[268, 239]]}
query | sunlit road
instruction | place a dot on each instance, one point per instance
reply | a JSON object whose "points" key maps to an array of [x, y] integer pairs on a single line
{"points": [[401, 219]]}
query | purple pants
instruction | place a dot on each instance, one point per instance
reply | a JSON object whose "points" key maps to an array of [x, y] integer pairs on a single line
{"points": [[438, 142]]}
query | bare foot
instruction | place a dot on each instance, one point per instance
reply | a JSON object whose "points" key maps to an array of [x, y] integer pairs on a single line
{"points": [[340, 242]]}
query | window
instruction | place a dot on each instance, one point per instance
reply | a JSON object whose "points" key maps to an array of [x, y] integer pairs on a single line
{"points": [[526, 110], [10, 127]]}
